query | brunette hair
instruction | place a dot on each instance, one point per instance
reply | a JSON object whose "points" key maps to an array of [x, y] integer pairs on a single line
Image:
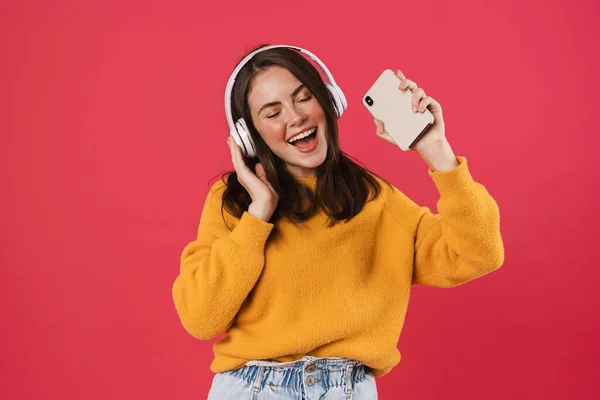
{"points": [[342, 188]]}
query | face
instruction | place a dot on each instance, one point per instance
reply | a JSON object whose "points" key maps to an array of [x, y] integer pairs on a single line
{"points": [[290, 120]]}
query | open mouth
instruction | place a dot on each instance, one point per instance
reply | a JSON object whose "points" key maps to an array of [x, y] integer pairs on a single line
{"points": [[306, 140]]}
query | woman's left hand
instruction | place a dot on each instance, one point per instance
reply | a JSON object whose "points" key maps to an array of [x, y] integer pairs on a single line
{"points": [[436, 133]]}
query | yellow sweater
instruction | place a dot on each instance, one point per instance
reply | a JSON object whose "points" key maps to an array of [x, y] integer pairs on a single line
{"points": [[284, 292]]}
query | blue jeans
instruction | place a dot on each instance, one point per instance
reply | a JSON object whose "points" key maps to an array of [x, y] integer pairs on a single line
{"points": [[328, 378]]}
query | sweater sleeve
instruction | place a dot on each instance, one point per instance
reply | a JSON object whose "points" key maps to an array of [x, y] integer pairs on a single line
{"points": [[462, 242], [219, 268]]}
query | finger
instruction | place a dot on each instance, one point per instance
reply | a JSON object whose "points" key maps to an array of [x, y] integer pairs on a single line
{"points": [[242, 170], [262, 175], [260, 170], [389, 139], [379, 125], [229, 142], [241, 165], [238, 162], [431, 103], [380, 131], [407, 84], [386, 137], [424, 103], [234, 161], [417, 95], [400, 75]]}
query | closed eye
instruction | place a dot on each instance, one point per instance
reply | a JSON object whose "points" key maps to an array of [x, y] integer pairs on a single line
{"points": [[307, 98]]}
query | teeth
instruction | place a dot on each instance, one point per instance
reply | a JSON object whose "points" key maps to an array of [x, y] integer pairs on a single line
{"points": [[302, 136]]}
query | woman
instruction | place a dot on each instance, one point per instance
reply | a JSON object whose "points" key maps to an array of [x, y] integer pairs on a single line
{"points": [[306, 259]]}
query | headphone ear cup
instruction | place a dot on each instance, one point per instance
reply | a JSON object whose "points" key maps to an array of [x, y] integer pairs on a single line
{"points": [[339, 100], [247, 145]]}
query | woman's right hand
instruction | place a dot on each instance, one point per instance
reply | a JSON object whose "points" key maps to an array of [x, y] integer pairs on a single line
{"points": [[264, 197]]}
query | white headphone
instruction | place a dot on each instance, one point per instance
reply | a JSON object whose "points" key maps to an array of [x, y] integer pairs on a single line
{"points": [[239, 130]]}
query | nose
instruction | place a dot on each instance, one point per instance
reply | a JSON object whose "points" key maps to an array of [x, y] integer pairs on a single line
{"points": [[296, 116]]}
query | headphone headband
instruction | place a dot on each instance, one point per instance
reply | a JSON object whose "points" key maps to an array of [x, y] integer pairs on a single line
{"points": [[232, 78], [239, 130]]}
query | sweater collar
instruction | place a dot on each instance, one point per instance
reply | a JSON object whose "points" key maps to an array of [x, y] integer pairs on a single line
{"points": [[310, 182]]}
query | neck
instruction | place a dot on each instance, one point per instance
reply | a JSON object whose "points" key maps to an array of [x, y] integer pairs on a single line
{"points": [[302, 173]]}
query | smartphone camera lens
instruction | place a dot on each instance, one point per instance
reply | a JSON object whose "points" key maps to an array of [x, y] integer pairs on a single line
{"points": [[369, 100]]}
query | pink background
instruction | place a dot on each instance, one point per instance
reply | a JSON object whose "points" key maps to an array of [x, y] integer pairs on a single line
{"points": [[112, 124]]}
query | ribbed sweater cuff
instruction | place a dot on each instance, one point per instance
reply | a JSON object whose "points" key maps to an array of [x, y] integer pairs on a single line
{"points": [[457, 179], [251, 228]]}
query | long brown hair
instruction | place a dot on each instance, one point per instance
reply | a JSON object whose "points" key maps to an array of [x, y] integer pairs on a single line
{"points": [[343, 186]]}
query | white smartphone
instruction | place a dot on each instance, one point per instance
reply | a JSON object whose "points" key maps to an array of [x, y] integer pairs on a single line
{"points": [[391, 105]]}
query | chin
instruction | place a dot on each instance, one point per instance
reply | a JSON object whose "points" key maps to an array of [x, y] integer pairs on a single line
{"points": [[312, 160]]}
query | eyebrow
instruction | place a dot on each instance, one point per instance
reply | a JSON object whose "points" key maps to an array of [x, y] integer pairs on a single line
{"points": [[274, 103]]}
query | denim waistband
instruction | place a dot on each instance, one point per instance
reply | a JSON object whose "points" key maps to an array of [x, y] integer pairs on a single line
{"points": [[327, 371]]}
